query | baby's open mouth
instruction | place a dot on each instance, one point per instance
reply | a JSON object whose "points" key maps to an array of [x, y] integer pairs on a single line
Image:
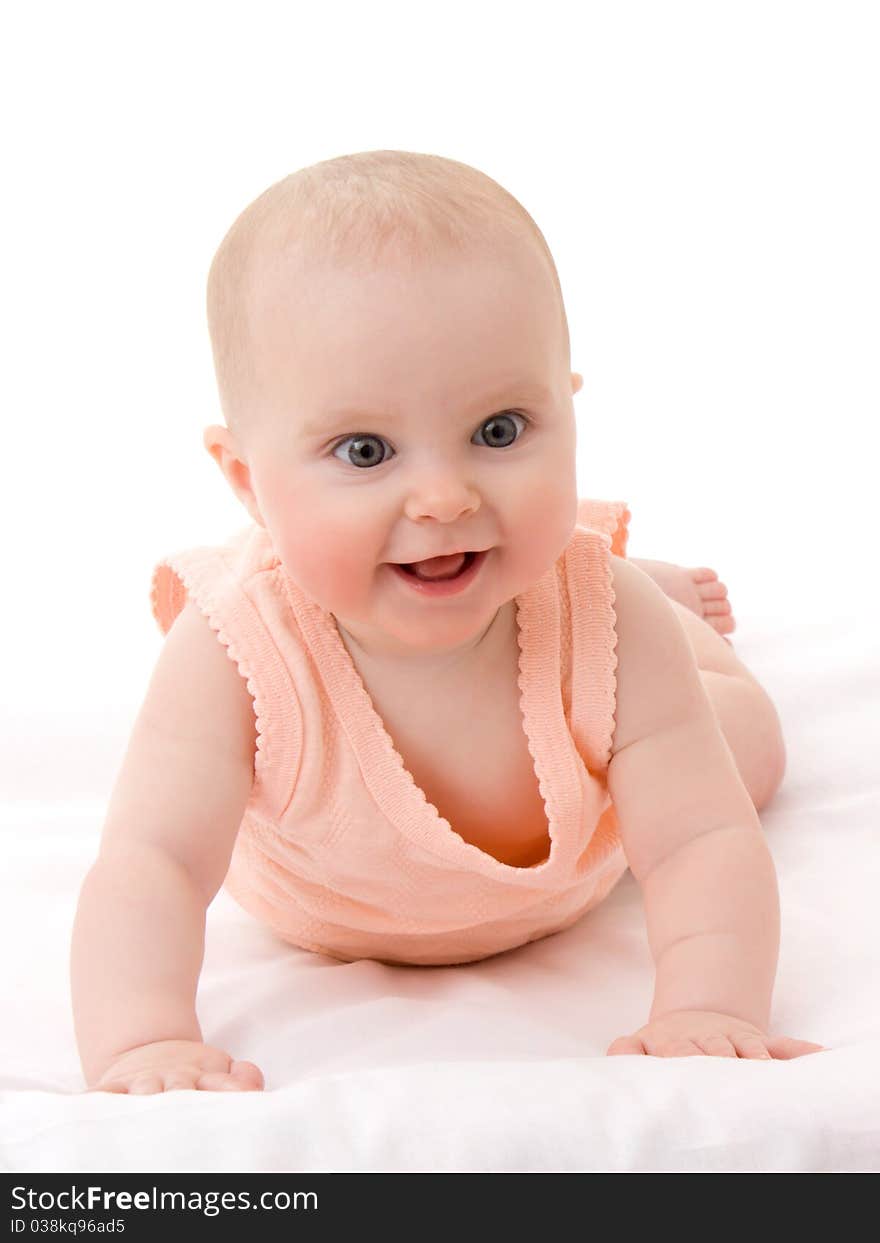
{"points": [[440, 567]]}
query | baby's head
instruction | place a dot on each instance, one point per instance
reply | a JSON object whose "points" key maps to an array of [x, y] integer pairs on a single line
{"points": [[393, 364]]}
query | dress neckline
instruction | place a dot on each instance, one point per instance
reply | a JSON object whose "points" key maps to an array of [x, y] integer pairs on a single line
{"points": [[392, 786]]}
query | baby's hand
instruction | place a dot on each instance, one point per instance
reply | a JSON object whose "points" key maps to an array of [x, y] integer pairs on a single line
{"points": [[166, 1065], [689, 1033]]}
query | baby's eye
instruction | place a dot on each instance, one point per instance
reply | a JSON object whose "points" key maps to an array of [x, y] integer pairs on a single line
{"points": [[363, 452], [500, 432]]}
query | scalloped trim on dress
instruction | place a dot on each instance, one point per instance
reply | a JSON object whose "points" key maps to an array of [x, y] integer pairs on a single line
{"points": [[525, 622], [172, 569], [594, 641], [367, 721], [611, 663]]}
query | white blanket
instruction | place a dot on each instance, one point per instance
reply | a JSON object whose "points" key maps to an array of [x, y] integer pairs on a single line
{"points": [[497, 1065]]}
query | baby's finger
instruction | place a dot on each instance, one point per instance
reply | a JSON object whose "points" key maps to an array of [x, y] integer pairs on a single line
{"points": [[625, 1044], [145, 1085], [751, 1046], [220, 1081], [717, 1046], [788, 1047], [249, 1073], [683, 1047], [180, 1080]]}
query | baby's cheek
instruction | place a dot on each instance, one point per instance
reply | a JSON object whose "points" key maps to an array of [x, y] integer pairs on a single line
{"points": [[332, 569], [545, 521]]}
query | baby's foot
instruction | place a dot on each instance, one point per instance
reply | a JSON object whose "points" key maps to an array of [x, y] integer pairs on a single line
{"points": [[697, 589]]}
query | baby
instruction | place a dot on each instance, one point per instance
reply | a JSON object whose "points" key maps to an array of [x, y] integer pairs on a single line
{"points": [[422, 709]]}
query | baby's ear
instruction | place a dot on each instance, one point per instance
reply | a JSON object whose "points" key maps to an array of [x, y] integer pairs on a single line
{"points": [[221, 445], [576, 382]]}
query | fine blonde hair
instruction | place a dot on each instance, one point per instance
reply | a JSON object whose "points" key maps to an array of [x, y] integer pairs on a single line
{"points": [[352, 209]]}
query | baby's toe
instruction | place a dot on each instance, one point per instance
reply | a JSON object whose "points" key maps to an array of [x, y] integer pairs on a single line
{"points": [[721, 625], [716, 590], [716, 607]]}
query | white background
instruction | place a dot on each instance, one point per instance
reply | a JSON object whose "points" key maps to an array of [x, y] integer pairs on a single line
{"points": [[706, 175]]}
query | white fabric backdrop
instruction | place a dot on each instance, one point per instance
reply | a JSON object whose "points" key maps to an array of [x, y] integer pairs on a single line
{"points": [[498, 1065]]}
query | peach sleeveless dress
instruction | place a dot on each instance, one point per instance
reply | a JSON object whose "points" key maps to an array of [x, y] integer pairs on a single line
{"points": [[339, 850]]}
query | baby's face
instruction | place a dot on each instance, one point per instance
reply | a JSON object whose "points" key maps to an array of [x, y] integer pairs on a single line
{"points": [[407, 414]]}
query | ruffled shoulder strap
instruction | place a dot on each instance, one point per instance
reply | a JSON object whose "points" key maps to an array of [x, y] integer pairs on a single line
{"points": [[602, 529], [236, 586], [609, 517]]}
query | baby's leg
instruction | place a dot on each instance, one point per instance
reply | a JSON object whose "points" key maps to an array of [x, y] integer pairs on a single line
{"points": [[698, 589], [745, 711]]}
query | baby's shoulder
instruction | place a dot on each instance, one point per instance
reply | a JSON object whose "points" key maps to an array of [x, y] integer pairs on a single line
{"points": [[656, 674]]}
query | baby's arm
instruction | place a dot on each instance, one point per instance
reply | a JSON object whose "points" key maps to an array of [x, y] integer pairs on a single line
{"points": [[139, 931], [692, 838]]}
